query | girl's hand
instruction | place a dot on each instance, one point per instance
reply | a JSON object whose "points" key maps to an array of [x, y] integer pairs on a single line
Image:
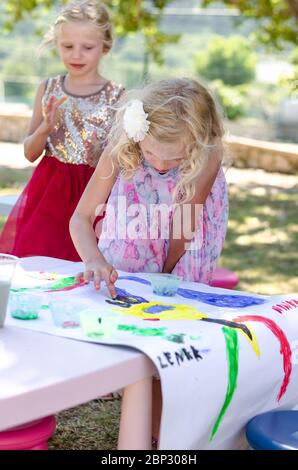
{"points": [[99, 270], [50, 114]]}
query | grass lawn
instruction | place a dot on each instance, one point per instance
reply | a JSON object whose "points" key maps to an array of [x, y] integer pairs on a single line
{"points": [[13, 179], [262, 240], [261, 246]]}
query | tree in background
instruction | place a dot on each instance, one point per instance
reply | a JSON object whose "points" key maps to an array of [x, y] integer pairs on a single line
{"points": [[277, 24], [229, 64], [277, 19], [129, 16], [229, 59]]}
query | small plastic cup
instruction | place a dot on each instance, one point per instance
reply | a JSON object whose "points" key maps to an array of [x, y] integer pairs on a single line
{"points": [[165, 284], [25, 305], [65, 313], [7, 268], [96, 323]]}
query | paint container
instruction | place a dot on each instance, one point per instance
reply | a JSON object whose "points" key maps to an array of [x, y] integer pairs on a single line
{"points": [[165, 284], [7, 267], [65, 312], [99, 323], [25, 305]]}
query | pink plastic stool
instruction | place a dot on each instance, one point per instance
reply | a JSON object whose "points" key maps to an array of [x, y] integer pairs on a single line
{"points": [[224, 278], [30, 436]]}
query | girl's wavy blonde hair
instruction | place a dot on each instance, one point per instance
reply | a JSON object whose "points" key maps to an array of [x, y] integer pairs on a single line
{"points": [[79, 11], [178, 110]]}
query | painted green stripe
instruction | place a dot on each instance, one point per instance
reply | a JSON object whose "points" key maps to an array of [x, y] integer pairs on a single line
{"points": [[232, 351]]}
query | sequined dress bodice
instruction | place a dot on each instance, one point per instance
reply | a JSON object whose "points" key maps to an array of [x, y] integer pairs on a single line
{"points": [[81, 121]]}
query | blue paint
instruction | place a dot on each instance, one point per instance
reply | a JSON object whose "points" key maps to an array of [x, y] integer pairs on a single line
{"points": [[136, 279], [125, 299], [159, 308], [131, 298], [165, 291], [218, 300], [221, 300]]}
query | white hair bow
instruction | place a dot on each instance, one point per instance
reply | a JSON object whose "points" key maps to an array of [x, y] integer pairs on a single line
{"points": [[135, 122]]}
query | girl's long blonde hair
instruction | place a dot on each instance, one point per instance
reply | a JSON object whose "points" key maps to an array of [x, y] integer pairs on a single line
{"points": [[178, 109], [91, 11]]}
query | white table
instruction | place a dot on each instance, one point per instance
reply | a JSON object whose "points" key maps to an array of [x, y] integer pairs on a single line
{"points": [[42, 374]]}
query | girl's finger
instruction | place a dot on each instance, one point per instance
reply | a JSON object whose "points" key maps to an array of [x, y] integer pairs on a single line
{"points": [[113, 276], [55, 105], [112, 289], [61, 101], [97, 280], [88, 275], [50, 103], [94, 138], [79, 276], [110, 283]]}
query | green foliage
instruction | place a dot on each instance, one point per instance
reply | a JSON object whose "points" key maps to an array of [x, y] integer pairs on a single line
{"points": [[17, 10], [231, 99], [229, 59], [291, 81], [277, 19], [12, 180], [129, 16]]}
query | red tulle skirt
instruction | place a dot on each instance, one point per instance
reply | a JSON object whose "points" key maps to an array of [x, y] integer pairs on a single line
{"points": [[39, 222]]}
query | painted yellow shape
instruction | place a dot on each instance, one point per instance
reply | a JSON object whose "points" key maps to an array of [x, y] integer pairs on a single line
{"points": [[253, 342], [179, 312]]}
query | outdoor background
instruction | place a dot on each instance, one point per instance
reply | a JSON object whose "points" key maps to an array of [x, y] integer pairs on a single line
{"points": [[249, 63], [217, 45]]}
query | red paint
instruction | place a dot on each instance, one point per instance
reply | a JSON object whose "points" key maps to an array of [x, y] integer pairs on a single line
{"points": [[79, 283], [285, 349], [285, 305]]}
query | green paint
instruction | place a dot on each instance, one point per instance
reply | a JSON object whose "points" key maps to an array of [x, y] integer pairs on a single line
{"points": [[232, 351], [143, 331], [62, 283], [21, 314], [195, 338], [176, 338], [26, 289]]}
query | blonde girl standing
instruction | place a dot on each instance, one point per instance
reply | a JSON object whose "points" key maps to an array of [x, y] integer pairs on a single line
{"points": [[72, 116]]}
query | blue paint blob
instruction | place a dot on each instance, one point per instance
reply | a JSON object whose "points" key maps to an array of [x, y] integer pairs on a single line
{"points": [[221, 300], [218, 300], [122, 294], [159, 308], [124, 299], [135, 278]]}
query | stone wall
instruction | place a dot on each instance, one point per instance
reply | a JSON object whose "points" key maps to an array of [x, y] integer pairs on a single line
{"points": [[245, 152], [269, 156], [14, 125]]}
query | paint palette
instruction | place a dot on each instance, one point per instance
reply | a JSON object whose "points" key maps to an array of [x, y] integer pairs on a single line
{"points": [[165, 284], [25, 306], [96, 323], [65, 314]]}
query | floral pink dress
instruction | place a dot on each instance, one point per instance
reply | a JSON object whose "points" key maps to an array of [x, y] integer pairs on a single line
{"points": [[139, 214]]}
